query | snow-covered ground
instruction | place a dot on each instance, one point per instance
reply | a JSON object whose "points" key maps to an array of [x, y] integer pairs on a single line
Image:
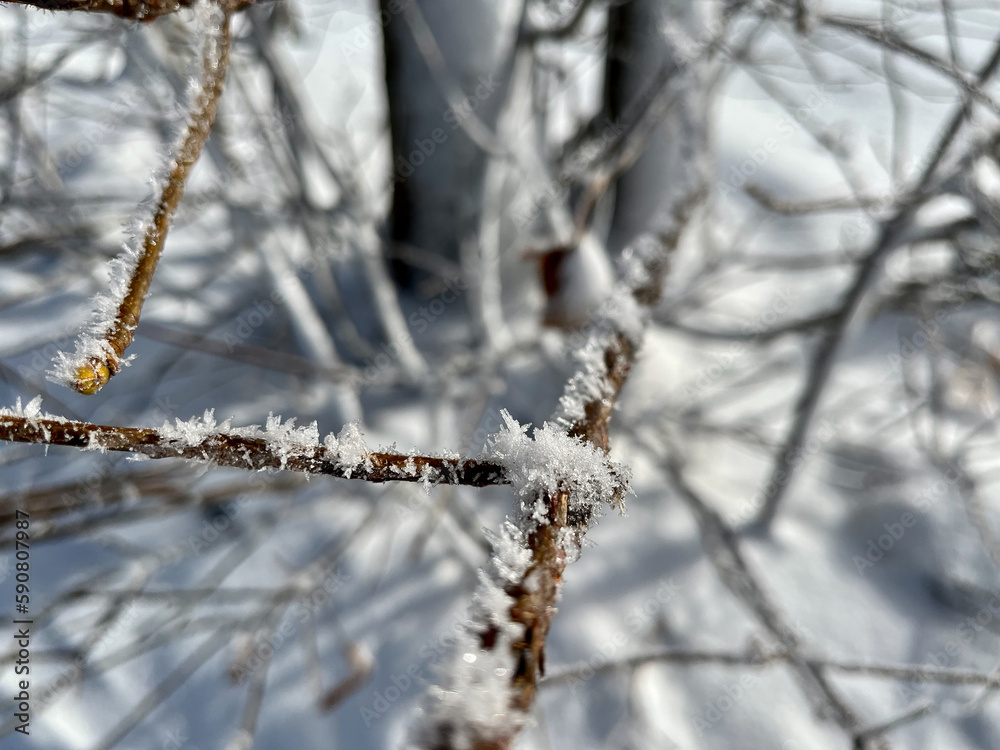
{"points": [[876, 556]]}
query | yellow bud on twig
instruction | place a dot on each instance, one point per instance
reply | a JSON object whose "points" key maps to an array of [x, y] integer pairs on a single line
{"points": [[91, 377]]}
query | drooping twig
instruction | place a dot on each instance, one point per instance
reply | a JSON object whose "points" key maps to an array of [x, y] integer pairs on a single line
{"points": [[100, 351]]}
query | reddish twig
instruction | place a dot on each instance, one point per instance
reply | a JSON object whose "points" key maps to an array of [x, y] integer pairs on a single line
{"points": [[251, 452], [535, 601], [553, 540], [133, 10]]}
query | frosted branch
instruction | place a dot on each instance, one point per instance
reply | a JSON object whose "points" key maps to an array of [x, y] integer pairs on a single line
{"points": [[277, 446], [100, 350], [562, 478], [134, 10]]}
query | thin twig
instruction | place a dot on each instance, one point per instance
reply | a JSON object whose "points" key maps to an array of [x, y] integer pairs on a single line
{"points": [[723, 549], [822, 364], [690, 657], [99, 353]]}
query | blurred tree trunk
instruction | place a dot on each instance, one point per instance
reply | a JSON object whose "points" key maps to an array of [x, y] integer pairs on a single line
{"points": [[437, 168], [639, 51]]}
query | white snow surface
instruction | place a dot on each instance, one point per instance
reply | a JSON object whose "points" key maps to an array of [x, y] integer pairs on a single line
{"points": [[646, 583]]}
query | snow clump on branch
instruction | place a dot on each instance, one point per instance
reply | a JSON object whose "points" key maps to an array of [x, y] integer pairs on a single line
{"points": [[552, 461]]}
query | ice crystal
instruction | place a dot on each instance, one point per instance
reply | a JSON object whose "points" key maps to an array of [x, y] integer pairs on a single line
{"points": [[550, 461]]}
